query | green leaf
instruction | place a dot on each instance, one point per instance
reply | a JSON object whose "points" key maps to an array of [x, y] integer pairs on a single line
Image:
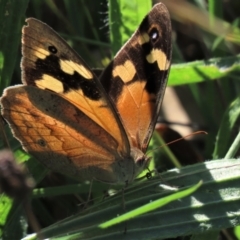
{"points": [[193, 214], [124, 18], [200, 71]]}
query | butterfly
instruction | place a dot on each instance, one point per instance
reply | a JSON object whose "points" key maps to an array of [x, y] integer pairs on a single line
{"points": [[85, 124]]}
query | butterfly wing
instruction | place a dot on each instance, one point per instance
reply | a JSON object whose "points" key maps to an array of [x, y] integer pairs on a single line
{"points": [[49, 63], [61, 136], [137, 77], [64, 116]]}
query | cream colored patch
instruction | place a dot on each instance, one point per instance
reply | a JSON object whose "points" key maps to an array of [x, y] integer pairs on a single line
{"points": [[125, 71], [50, 83], [144, 38], [41, 53], [69, 67], [159, 56]]}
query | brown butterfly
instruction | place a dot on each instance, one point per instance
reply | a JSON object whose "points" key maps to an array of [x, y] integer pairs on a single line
{"points": [[83, 125]]}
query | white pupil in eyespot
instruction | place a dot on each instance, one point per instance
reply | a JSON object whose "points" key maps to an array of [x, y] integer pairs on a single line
{"points": [[154, 35]]}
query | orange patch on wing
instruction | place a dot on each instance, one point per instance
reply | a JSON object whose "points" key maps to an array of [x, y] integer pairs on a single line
{"points": [[96, 110], [140, 105]]}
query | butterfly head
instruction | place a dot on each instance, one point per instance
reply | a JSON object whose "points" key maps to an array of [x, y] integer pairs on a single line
{"points": [[140, 159], [127, 168]]}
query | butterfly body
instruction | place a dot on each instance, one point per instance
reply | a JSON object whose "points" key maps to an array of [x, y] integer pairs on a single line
{"points": [[85, 126]]}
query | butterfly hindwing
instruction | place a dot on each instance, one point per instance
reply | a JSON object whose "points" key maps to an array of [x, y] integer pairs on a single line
{"points": [[137, 77]]}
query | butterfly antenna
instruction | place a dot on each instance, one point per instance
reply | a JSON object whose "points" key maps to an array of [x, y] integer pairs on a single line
{"points": [[189, 135]]}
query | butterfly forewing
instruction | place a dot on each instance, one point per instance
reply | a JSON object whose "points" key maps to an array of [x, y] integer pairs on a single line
{"points": [[137, 77], [49, 63]]}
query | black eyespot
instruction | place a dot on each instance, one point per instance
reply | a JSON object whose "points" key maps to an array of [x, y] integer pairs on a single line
{"points": [[52, 49], [41, 142], [154, 35]]}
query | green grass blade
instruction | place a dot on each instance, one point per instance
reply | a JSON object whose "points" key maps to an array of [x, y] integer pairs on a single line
{"points": [[234, 147], [227, 130], [151, 206]]}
